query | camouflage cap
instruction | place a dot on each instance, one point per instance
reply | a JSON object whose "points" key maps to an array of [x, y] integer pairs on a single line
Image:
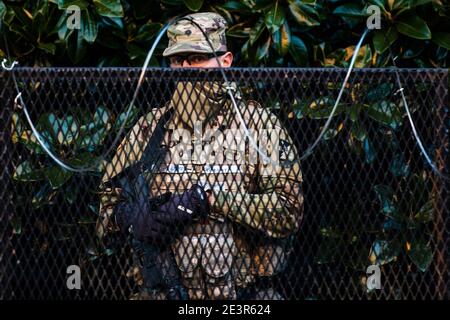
{"points": [[184, 36]]}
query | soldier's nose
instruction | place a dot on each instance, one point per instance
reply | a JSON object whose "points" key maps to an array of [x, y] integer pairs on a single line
{"points": [[185, 63]]}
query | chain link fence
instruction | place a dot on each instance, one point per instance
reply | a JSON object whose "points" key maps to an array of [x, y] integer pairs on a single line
{"points": [[364, 196]]}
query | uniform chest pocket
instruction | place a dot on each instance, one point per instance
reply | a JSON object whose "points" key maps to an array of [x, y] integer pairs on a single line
{"points": [[188, 252], [218, 252]]}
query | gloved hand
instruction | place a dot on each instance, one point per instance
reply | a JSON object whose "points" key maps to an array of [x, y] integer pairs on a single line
{"points": [[193, 203], [162, 220]]}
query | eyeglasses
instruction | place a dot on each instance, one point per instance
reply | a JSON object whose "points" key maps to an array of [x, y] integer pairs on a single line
{"points": [[193, 59]]}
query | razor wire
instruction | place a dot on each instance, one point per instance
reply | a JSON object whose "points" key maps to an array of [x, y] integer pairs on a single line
{"points": [[229, 89], [38, 136], [408, 113], [411, 122], [93, 167]]}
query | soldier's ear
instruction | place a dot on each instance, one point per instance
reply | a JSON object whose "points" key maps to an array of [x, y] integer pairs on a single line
{"points": [[227, 60]]}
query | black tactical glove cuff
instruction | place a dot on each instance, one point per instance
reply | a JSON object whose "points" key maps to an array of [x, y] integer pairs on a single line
{"points": [[192, 204], [128, 214]]}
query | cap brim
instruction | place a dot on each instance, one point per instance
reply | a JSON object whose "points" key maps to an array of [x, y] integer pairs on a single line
{"points": [[187, 48]]}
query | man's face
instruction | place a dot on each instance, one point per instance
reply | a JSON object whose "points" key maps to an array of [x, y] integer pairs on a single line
{"points": [[201, 60]]}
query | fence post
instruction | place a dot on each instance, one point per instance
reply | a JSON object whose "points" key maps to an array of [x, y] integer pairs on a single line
{"points": [[442, 187], [5, 182]]}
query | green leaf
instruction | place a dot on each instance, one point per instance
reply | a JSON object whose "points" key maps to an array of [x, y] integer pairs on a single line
{"points": [[379, 3], [383, 40], [298, 51], [321, 108], [383, 252], [369, 151], [414, 49], [89, 27], [256, 31], [141, 9], [327, 251], [16, 224], [398, 167], [31, 142], [386, 113], [426, 212], [282, 39], [398, 4], [330, 245], [421, 254], [442, 39], [26, 171], [86, 159], [92, 140], [64, 4], [65, 131], [353, 10], [259, 6], [332, 132], [47, 47], [245, 51], [415, 3], [131, 118], [386, 196], [61, 27], [172, 2], [193, 5], [234, 6], [58, 176], [109, 8], [275, 18], [112, 22], [359, 132], [16, 127], [364, 58], [108, 251], [390, 225], [44, 196], [378, 92], [239, 31], [101, 117], [76, 47], [263, 50], [304, 14], [147, 32], [414, 27], [2, 10]]}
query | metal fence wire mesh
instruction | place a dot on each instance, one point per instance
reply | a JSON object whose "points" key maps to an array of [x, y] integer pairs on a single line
{"points": [[296, 230]]}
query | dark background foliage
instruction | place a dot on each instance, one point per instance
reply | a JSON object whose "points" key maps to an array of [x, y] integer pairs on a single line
{"points": [[262, 32], [387, 182]]}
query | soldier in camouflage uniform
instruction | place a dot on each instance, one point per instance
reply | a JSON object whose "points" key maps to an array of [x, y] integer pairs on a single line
{"points": [[255, 206]]}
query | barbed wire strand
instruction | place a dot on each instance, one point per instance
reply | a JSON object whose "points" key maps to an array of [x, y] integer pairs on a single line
{"points": [[241, 119], [113, 145], [307, 153], [411, 121]]}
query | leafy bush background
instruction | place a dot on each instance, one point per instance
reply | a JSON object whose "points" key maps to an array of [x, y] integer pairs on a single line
{"points": [[261, 33]]}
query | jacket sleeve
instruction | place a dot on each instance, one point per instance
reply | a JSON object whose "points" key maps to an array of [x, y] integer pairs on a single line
{"points": [[277, 207], [129, 151]]}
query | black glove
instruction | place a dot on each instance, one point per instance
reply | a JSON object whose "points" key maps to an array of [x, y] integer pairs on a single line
{"points": [[192, 204], [160, 220]]}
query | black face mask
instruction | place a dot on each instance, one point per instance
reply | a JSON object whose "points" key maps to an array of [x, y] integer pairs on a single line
{"points": [[199, 101]]}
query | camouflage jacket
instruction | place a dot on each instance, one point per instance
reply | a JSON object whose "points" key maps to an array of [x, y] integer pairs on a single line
{"points": [[257, 208]]}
